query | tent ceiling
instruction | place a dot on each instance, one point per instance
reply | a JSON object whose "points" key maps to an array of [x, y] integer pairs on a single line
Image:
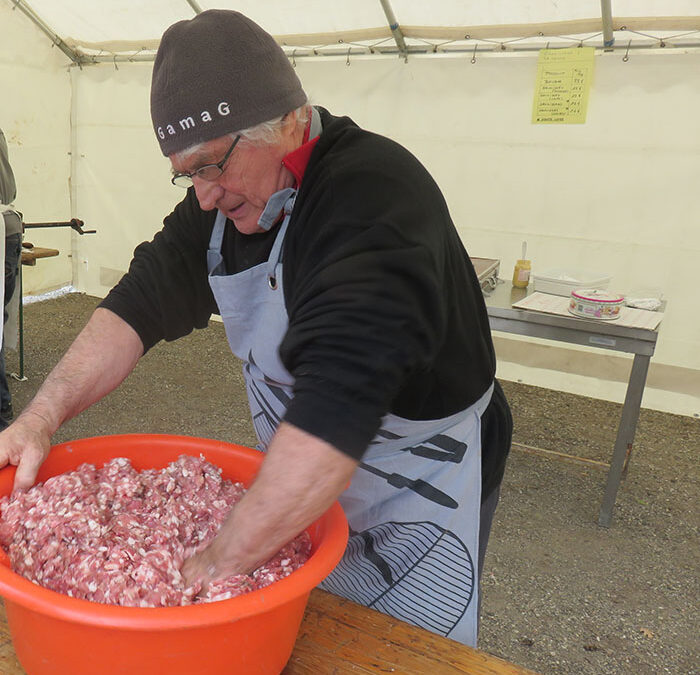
{"points": [[90, 31]]}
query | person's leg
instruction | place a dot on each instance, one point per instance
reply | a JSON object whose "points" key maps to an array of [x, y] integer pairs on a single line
{"points": [[496, 437], [13, 251], [488, 510]]}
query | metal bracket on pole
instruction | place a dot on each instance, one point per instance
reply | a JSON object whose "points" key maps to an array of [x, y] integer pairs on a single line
{"points": [[395, 29], [74, 223]]}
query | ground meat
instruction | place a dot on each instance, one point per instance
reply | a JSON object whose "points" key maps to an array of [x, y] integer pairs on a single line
{"points": [[119, 536]]}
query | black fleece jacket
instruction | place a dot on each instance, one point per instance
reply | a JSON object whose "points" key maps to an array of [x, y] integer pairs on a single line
{"points": [[385, 311]]}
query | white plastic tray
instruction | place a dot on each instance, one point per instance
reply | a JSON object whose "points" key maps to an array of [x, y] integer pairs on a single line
{"points": [[563, 281]]}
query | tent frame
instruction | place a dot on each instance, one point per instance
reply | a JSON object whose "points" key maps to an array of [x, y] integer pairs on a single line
{"points": [[424, 39]]}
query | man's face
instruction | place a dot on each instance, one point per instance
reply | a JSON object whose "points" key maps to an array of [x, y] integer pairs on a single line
{"points": [[250, 176]]}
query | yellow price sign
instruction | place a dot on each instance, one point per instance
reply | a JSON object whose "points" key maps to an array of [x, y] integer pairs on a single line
{"points": [[563, 81]]}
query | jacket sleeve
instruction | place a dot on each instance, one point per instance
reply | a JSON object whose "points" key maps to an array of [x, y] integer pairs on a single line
{"points": [[165, 294], [366, 310]]}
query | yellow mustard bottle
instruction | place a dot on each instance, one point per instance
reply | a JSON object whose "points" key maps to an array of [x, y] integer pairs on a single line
{"points": [[521, 272]]}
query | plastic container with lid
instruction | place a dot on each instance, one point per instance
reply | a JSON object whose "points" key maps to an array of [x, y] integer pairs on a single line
{"points": [[521, 272], [562, 281], [593, 303]]}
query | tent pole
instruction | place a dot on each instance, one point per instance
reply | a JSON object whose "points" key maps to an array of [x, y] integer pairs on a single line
{"points": [[21, 377], [420, 50], [606, 13], [395, 30], [28, 11], [195, 6]]}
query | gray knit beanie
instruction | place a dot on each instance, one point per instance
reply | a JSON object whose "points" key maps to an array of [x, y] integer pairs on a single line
{"points": [[215, 74]]}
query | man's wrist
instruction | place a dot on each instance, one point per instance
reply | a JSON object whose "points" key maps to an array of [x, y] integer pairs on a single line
{"points": [[47, 425]]}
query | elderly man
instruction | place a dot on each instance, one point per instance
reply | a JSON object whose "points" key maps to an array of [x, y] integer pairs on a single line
{"points": [[344, 288]]}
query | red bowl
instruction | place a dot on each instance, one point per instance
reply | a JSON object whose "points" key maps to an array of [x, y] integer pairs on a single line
{"points": [[253, 633]]}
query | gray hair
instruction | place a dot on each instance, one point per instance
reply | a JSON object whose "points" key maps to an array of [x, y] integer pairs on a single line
{"points": [[270, 132], [265, 133]]}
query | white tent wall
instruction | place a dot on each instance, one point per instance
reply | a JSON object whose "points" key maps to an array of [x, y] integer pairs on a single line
{"points": [[121, 179], [615, 194], [35, 117]]}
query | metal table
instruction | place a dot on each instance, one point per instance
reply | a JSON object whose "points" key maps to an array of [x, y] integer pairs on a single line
{"points": [[601, 334]]}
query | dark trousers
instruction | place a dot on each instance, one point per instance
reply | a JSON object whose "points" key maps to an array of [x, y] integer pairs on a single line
{"points": [[13, 251], [496, 437]]}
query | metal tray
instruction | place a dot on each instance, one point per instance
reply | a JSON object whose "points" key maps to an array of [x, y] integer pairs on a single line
{"points": [[486, 271]]}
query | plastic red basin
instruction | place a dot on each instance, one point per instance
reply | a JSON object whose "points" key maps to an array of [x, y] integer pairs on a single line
{"points": [[254, 633]]}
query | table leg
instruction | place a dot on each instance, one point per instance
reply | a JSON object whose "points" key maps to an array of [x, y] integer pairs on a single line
{"points": [[20, 377], [21, 326], [625, 435]]}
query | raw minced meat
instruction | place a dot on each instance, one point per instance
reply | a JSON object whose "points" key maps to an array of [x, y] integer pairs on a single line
{"points": [[119, 536]]}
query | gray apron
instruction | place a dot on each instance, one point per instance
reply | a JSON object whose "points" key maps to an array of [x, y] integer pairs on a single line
{"points": [[413, 504]]}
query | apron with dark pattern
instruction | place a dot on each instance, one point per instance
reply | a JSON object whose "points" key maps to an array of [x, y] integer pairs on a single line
{"points": [[412, 505]]}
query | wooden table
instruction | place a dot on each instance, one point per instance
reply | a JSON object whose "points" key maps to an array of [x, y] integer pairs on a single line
{"points": [[337, 636], [30, 255]]}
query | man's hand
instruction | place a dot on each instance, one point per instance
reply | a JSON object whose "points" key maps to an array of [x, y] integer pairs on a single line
{"points": [[301, 476], [102, 355], [25, 444], [201, 567]]}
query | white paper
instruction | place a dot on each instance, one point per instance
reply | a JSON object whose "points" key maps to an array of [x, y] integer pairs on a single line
{"points": [[557, 304]]}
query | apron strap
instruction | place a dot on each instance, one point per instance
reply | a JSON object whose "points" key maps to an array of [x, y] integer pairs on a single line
{"points": [[274, 205], [215, 260], [282, 201], [217, 234], [276, 253]]}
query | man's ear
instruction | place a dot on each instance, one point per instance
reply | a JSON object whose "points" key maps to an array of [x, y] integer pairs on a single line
{"points": [[289, 123]]}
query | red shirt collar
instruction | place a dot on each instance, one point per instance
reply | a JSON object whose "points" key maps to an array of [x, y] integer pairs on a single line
{"points": [[297, 160]]}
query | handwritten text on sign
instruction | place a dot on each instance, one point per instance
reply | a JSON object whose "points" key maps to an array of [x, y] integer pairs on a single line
{"points": [[563, 82]]}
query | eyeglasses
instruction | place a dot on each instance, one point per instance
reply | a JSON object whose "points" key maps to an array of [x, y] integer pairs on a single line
{"points": [[206, 172]]}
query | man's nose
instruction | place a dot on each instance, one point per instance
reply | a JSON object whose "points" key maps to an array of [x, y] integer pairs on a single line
{"points": [[208, 192]]}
